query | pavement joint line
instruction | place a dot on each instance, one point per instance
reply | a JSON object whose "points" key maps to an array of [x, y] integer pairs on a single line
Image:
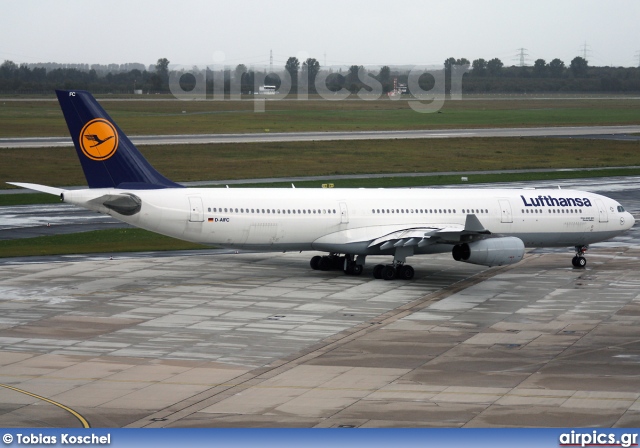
{"points": [[207, 398], [83, 421]]}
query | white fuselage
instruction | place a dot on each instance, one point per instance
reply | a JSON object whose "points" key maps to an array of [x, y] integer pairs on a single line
{"points": [[345, 220]]}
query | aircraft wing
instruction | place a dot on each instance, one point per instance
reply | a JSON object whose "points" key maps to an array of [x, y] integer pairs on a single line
{"points": [[424, 236], [387, 237]]}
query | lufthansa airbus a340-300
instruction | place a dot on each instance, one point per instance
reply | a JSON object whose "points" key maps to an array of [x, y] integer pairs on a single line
{"points": [[488, 227]]}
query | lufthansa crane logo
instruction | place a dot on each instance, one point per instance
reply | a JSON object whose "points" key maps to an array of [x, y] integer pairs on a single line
{"points": [[99, 139]]}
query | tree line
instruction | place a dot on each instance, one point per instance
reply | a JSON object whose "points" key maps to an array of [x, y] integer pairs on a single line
{"points": [[482, 76]]}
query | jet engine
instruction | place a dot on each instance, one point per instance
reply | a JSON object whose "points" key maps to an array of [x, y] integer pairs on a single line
{"points": [[490, 251]]}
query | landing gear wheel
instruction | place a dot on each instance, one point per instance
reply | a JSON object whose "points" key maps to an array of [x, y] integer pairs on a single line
{"points": [[377, 271], [388, 272], [315, 262], [406, 272], [351, 268], [325, 264], [579, 261]]}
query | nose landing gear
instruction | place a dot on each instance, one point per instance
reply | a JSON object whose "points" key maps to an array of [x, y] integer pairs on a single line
{"points": [[579, 261]]}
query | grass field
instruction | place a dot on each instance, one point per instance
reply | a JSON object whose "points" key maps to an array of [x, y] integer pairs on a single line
{"points": [[98, 241], [44, 118]]}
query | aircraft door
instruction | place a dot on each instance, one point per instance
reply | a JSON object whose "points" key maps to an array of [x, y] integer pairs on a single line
{"points": [[344, 213], [505, 211], [602, 211], [196, 210]]}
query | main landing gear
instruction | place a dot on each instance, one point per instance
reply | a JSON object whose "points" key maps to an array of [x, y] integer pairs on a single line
{"points": [[393, 271], [354, 266], [579, 261], [345, 263]]}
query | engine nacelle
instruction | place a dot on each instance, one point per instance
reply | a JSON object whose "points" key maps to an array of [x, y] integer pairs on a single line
{"points": [[490, 252]]}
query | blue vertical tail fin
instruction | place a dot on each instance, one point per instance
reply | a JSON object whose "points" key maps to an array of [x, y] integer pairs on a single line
{"points": [[107, 156]]}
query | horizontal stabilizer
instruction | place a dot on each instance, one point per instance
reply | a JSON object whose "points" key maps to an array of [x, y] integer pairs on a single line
{"points": [[37, 187]]}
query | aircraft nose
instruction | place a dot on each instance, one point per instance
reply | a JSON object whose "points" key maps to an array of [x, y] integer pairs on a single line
{"points": [[629, 221]]}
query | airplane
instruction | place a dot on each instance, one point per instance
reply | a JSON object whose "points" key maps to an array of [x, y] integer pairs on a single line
{"points": [[489, 227]]}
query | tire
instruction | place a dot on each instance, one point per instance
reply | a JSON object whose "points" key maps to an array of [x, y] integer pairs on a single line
{"points": [[574, 261], [388, 272], [357, 269], [582, 262], [406, 272], [377, 271], [325, 264], [315, 262]]}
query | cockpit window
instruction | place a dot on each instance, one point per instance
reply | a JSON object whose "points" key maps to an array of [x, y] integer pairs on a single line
{"points": [[620, 208]]}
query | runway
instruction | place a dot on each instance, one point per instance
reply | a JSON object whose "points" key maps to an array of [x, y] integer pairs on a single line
{"points": [[215, 338], [564, 131]]}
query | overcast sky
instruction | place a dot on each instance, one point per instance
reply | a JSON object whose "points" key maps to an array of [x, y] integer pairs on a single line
{"points": [[371, 32]]}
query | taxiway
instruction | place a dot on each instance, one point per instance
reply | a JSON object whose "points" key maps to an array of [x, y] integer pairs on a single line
{"points": [[551, 131]]}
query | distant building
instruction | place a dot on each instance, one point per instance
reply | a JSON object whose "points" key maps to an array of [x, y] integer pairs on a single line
{"points": [[398, 88], [267, 90]]}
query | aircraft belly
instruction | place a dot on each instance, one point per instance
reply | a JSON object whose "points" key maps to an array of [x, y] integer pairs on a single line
{"points": [[551, 239]]}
